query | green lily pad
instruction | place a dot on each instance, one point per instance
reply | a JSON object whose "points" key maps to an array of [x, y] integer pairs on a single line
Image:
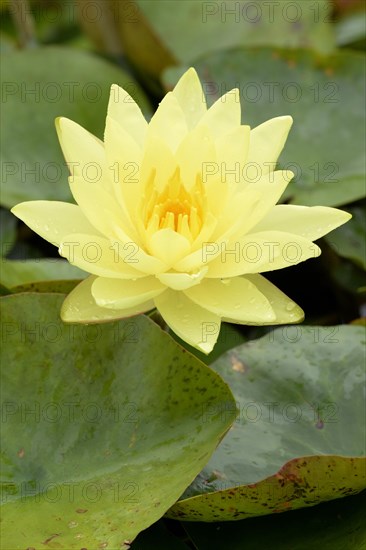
{"points": [[158, 537], [300, 436], [39, 85], [217, 26], [25, 272], [57, 287], [325, 148], [103, 426], [337, 525], [349, 240]]}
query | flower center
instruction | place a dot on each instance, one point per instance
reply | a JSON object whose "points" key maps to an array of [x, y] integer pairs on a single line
{"points": [[174, 207]]}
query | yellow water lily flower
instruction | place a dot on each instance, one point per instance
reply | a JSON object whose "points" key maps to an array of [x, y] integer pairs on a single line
{"points": [[179, 214]]}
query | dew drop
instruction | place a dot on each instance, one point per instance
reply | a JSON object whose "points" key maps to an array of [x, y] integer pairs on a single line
{"points": [[72, 524], [47, 227], [237, 306], [291, 306], [226, 282]]}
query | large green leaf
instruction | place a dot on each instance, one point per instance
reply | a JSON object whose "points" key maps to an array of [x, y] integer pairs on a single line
{"points": [[337, 525], [300, 438], [217, 26], [38, 86], [23, 272], [103, 428], [325, 148]]}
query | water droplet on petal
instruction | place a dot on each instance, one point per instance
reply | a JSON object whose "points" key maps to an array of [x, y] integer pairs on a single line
{"points": [[47, 227], [290, 306], [237, 306]]}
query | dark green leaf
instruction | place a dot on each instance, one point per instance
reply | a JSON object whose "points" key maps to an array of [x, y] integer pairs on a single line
{"points": [[104, 426], [301, 432]]}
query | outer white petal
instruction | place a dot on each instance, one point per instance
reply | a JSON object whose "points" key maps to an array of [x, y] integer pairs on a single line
{"points": [[182, 281], [224, 115], [118, 294], [169, 121], [267, 141], [83, 152], [53, 220], [260, 252], [285, 310], [125, 111], [236, 298], [98, 255], [80, 307], [311, 222], [191, 98], [197, 326]]}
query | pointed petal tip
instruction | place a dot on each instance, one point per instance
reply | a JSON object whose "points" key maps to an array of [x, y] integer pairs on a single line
{"points": [[205, 347]]}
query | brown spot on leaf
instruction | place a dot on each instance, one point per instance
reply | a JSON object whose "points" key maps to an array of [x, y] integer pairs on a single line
{"points": [[81, 511], [51, 538], [21, 453]]}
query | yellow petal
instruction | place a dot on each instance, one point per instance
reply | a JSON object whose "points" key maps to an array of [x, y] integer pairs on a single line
{"points": [[266, 143], [285, 310], [53, 220], [168, 246], [191, 98], [118, 294], [236, 214], [195, 153], [206, 232], [262, 197], [169, 121], [196, 326], [236, 298], [232, 151], [136, 256], [102, 209], [182, 281], [99, 256], [311, 222], [194, 261], [83, 152], [123, 156], [260, 252], [125, 111], [158, 158], [80, 307], [224, 115]]}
